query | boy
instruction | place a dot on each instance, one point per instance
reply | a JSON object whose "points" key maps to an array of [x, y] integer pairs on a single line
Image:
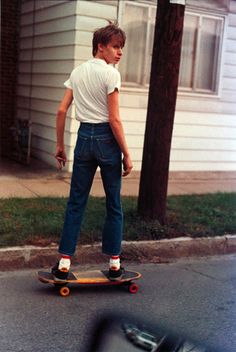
{"points": [[94, 86]]}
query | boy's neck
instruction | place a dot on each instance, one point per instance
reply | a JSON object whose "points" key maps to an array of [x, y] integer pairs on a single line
{"points": [[100, 57]]}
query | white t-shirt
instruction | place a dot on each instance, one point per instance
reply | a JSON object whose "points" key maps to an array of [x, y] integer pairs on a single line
{"points": [[91, 82]]}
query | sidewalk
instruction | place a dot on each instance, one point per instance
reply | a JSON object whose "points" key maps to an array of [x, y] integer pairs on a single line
{"points": [[41, 180]]}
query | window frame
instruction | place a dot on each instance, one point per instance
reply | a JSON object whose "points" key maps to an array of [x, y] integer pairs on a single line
{"points": [[218, 62], [150, 7], [200, 13]]}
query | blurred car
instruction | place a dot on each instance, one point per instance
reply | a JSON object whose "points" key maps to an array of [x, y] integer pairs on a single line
{"points": [[141, 338]]}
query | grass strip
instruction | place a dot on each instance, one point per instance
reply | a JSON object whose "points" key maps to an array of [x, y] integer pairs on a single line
{"points": [[39, 220]]}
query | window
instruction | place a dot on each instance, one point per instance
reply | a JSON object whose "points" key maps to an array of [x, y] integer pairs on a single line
{"points": [[138, 22], [201, 48], [200, 56]]}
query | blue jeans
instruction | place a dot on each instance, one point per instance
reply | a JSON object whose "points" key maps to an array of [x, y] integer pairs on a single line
{"points": [[95, 146]]}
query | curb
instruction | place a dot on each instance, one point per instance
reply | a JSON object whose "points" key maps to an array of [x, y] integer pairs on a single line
{"points": [[12, 258]]}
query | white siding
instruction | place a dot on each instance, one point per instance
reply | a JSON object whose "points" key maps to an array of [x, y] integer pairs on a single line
{"points": [[46, 58], [204, 134], [55, 36]]}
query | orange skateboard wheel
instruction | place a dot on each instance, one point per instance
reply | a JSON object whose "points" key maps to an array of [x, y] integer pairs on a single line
{"points": [[64, 291]]}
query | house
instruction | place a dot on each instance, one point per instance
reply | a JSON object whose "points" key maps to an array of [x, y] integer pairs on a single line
{"points": [[55, 37]]}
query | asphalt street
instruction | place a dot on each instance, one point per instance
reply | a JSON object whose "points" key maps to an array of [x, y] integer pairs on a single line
{"points": [[194, 297]]}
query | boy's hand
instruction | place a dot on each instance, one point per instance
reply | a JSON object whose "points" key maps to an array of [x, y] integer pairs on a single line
{"points": [[127, 165], [61, 157]]}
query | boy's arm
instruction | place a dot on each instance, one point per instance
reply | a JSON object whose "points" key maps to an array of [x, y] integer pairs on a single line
{"points": [[118, 131], [60, 127]]}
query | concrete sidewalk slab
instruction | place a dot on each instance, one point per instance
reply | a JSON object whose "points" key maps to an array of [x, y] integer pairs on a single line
{"points": [[10, 189], [12, 258], [55, 186], [201, 187], [60, 188], [39, 180], [46, 188]]}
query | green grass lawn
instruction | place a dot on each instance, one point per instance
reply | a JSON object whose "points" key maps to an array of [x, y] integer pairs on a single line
{"points": [[39, 220]]}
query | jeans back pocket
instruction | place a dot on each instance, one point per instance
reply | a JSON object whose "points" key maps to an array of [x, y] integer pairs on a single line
{"points": [[107, 147], [82, 147]]}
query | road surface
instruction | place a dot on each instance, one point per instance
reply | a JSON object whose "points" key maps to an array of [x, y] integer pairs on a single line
{"points": [[195, 297]]}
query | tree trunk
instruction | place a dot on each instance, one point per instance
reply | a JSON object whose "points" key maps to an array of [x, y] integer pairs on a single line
{"points": [[161, 110]]}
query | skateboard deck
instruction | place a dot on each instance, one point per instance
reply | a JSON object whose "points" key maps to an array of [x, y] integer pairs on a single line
{"points": [[94, 277]]}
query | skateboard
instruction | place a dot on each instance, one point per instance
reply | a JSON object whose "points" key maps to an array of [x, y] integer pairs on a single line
{"points": [[90, 278]]}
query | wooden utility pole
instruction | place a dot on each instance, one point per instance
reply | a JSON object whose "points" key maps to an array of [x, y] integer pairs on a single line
{"points": [[161, 109]]}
